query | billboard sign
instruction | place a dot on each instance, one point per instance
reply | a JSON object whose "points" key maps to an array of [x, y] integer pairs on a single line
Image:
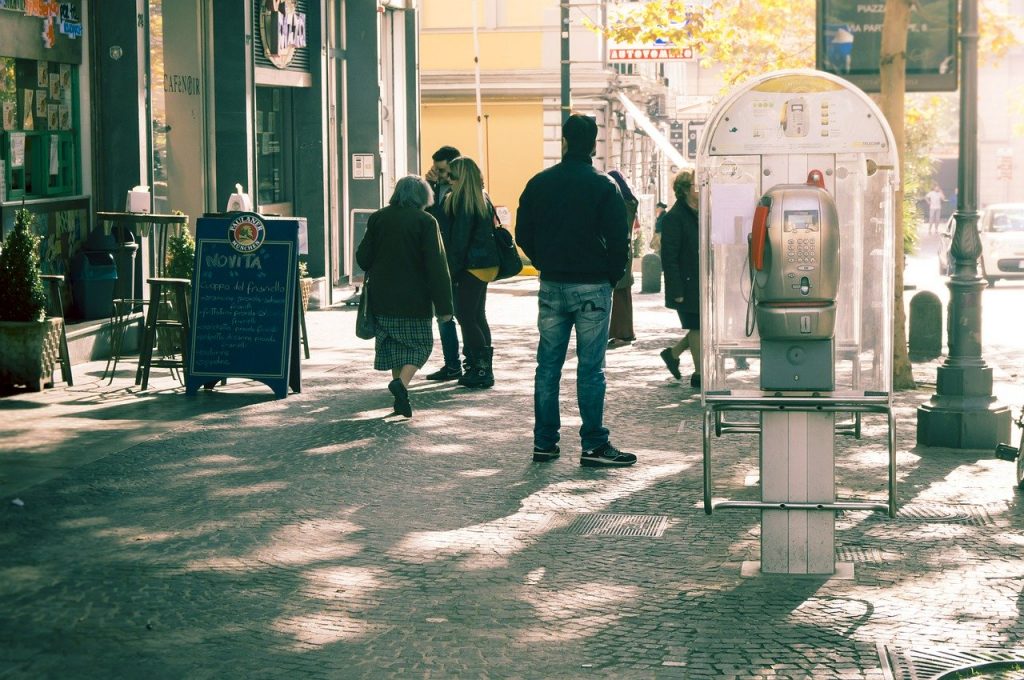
{"points": [[850, 42]]}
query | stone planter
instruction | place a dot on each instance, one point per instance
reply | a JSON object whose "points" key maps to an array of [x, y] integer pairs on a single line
{"points": [[28, 352]]}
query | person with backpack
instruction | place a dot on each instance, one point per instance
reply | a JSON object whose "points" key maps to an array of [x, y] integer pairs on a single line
{"points": [[473, 262]]}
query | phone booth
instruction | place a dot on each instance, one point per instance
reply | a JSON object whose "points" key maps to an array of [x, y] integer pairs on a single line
{"points": [[797, 172]]}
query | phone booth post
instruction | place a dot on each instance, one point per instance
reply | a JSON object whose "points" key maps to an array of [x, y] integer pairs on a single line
{"points": [[797, 172]]}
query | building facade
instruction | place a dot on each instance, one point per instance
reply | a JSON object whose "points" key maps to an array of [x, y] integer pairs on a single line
{"points": [[311, 106], [511, 63]]}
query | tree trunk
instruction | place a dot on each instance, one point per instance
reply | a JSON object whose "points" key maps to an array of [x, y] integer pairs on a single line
{"points": [[893, 89]]}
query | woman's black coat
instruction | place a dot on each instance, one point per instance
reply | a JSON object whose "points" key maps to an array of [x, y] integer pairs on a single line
{"points": [[680, 258]]}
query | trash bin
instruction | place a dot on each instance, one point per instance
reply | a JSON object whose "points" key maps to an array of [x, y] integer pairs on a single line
{"points": [[94, 275]]}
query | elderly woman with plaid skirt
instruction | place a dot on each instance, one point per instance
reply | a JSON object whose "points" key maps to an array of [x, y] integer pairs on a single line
{"points": [[408, 283]]}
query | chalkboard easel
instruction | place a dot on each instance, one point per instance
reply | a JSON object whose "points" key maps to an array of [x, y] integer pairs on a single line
{"points": [[245, 302]]}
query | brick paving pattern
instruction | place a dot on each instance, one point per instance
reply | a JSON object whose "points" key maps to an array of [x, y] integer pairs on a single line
{"points": [[235, 535]]}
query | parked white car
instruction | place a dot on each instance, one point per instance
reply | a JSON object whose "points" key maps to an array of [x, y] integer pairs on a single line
{"points": [[1001, 228]]}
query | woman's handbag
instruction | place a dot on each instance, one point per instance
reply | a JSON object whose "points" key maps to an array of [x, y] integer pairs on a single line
{"points": [[509, 262], [366, 327]]}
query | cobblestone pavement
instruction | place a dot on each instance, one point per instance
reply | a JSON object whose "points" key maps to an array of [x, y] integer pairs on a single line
{"points": [[234, 535]]}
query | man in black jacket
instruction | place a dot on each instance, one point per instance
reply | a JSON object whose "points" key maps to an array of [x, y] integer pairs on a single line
{"points": [[437, 176], [572, 225]]}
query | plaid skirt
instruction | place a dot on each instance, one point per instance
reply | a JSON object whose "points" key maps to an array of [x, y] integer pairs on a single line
{"points": [[402, 341]]}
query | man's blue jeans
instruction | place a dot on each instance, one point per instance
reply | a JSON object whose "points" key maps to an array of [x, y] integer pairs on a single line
{"points": [[449, 343], [587, 307]]}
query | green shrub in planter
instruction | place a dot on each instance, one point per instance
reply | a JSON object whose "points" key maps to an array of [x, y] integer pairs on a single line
{"points": [[181, 253], [22, 297], [28, 341]]}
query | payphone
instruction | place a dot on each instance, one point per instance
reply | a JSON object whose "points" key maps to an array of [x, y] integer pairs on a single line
{"points": [[797, 173], [794, 273]]}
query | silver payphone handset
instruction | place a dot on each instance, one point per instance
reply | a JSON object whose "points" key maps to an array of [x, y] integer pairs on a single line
{"points": [[794, 262]]}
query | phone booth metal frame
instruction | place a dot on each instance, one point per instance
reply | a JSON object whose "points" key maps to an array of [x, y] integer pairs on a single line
{"points": [[773, 130]]}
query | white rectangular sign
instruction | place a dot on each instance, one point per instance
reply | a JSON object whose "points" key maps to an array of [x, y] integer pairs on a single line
{"points": [[665, 52]]}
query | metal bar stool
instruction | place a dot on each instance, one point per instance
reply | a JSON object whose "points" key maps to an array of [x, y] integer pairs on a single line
{"points": [[55, 307], [155, 230], [179, 292]]}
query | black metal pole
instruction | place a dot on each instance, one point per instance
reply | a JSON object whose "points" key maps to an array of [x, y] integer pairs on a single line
{"points": [[566, 72], [964, 414]]}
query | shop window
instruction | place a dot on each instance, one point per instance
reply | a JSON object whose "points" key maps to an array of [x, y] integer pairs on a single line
{"points": [[274, 150], [38, 129]]}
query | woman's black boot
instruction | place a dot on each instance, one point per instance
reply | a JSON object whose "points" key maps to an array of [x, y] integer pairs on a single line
{"points": [[480, 373]]}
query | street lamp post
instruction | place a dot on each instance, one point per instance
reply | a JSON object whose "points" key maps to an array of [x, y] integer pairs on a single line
{"points": [[566, 72], [963, 413]]}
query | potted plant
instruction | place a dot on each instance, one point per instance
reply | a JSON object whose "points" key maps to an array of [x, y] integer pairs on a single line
{"points": [[29, 342], [181, 255], [305, 284]]}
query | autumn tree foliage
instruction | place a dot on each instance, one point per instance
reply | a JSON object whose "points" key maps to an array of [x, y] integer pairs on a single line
{"points": [[747, 38]]}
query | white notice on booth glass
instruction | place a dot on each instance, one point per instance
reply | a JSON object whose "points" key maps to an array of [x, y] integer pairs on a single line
{"points": [[732, 212]]}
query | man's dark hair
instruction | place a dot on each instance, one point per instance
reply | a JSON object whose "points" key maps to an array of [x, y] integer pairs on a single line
{"points": [[659, 204], [446, 154], [580, 133]]}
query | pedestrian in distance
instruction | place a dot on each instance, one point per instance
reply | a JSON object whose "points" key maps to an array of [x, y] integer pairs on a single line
{"points": [[571, 223], [473, 263], [620, 328], [935, 198], [659, 212], [440, 182], [409, 283], [680, 260]]}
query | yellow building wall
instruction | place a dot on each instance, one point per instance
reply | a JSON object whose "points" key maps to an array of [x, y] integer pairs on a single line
{"points": [[498, 50], [459, 13], [515, 142]]}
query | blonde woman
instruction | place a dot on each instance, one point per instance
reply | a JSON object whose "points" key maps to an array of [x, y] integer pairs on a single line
{"points": [[680, 260], [473, 263]]}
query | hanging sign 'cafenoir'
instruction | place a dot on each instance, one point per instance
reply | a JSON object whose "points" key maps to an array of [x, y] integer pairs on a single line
{"points": [[282, 30]]}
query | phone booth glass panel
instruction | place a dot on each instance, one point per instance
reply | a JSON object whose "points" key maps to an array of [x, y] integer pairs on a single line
{"points": [[766, 139]]}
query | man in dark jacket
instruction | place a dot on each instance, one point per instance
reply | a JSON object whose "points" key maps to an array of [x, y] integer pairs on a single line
{"points": [[437, 176], [572, 225]]}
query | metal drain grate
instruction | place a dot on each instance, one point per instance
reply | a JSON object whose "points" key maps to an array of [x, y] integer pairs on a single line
{"points": [[950, 664], [608, 524], [856, 553], [976, 515]]}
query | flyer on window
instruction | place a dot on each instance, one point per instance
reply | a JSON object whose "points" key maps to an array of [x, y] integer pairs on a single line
{"points": [[42, 74], [65, 77], [54, 86], [52, 117], [27, 119], [10, 116], [17, 149], [41, 103], [54, 164], [65, 117]]}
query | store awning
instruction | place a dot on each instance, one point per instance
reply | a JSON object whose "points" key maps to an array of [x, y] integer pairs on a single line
{"points": [[648, 126]]}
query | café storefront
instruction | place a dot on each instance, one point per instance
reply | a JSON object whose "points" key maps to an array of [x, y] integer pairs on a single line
{"points": [[189, 98]]}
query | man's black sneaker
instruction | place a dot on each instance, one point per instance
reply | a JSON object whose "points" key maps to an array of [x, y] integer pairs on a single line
{"points": [[606, 455], [446, 373], [695, 380], [671, 362], [544, 455]]}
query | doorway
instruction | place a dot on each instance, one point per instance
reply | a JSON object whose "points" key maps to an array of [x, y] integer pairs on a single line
{"points": [[177, 106]]}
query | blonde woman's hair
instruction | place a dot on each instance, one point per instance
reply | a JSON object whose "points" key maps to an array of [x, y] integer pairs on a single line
{"points": [[681, 188], [467, 194]]}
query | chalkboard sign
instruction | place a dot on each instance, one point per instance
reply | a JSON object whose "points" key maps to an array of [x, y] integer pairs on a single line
{"points": [[244, 295]]}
